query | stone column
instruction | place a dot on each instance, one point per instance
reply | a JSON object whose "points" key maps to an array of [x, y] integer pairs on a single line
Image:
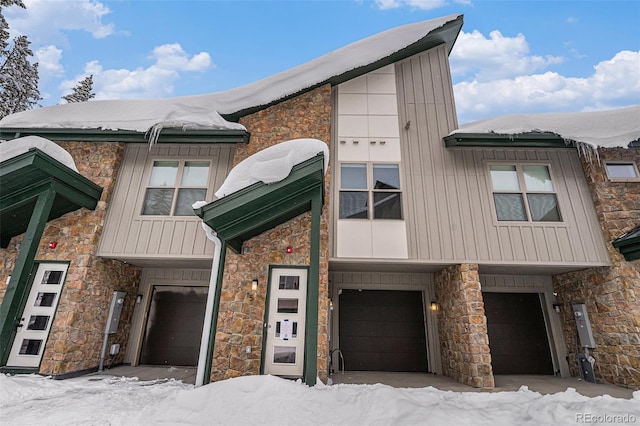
{"points": [[464, 342]]}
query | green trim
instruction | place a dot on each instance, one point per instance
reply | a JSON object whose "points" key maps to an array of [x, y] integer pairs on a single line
{"points": [[19, 286], [214, 314], [130, 136], [313, 284], [18, 370], [629, 244], [490, 140], [24, 177]]}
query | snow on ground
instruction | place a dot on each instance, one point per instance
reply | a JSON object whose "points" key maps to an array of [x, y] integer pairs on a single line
{"points": [[607, 129], [15, 147], [268, 400]]}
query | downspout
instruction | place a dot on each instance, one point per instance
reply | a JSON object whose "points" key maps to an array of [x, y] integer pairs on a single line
{"points": [[203, 374]]}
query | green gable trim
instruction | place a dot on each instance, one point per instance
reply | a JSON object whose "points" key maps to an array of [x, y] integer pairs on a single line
{"points": [[629, 244], [251, 211], [494, 140], [130, 136], [24, 177]]}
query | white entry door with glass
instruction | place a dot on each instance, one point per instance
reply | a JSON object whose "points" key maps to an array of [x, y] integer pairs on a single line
{"points": [[284, 351], [33, 329]]}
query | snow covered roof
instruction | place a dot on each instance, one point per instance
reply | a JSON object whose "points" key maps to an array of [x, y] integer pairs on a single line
{"points": [[206, 111], [606, 129], [15, 147]]}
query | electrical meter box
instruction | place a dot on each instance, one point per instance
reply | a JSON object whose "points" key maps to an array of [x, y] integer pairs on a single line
{"points": [[584, 326], [117, 302]]}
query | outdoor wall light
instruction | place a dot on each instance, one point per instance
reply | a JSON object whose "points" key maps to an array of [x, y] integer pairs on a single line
{"points": [[556, 307], [254, 285], [139, 299], [434, 305]]}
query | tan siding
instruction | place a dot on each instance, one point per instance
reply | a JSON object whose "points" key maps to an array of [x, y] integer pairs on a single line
{"points": [[450, 215], [128, 234]]}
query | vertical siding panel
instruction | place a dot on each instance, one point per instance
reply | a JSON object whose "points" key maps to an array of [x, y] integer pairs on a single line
{"points": [[541, 243]]}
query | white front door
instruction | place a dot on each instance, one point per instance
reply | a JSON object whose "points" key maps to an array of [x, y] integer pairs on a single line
{"points": [[284, 352], [33, 329]]}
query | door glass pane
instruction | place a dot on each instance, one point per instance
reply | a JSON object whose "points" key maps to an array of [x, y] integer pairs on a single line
{"points": [[158, 201], [353, 176], [287, 306], [544, 207], [387, 205], [386, 176], [52, 277], [195, 173], [294, 332], [537, 178], [510, 207], [38, 322], [186, 198], [30, 347], [284, 355], [163, 173], [504, 178], [45, 299], [354, 205], [621, 171], [289, 282]]}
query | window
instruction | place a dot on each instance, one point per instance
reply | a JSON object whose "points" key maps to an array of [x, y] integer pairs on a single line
{"points": [[174, 186], [622, 171], [524, 193], [370, 190]]}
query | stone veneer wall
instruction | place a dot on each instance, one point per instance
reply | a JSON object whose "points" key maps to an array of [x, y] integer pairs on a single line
{"points": [[241, 315], [462, 324], [612, 294], [77, 332]]}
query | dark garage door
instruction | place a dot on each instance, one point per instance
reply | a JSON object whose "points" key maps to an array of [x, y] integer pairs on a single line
{"points": [[174, 326], [517, 334], [382, 330]]}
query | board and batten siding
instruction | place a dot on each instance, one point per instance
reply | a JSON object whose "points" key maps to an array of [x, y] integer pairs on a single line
{"points": [[448, 200], [130, 235]]}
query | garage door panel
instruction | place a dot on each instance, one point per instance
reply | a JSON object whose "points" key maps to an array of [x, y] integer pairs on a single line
{"points": [[382, 330], [518, 338]]}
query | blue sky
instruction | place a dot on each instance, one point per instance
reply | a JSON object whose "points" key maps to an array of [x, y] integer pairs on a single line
{"points": [[512, 56]]}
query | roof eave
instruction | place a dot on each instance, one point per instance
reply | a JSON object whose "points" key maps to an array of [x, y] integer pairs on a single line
{"points": [[167, 135], [494, 140]]}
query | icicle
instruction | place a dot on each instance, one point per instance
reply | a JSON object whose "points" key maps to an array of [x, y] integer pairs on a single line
{"points": [[154, 133]]}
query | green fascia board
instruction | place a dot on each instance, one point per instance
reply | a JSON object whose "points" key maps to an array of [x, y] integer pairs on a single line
{"points": [[629, 244], [251, 211], [491, 140], [24, 177], [168, 135]]}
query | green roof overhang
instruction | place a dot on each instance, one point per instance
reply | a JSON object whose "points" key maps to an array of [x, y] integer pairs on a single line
{"points": [[253, 210], [167, 135], [495, 140], [24, 177], [629, 244]]}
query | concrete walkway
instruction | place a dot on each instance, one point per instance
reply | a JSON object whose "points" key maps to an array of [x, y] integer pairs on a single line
{"points": [[541, 384]]}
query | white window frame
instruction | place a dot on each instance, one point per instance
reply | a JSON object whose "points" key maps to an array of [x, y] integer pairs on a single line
{"points": [[523, 191], [176, 187], [623, 179], [370, 190]]}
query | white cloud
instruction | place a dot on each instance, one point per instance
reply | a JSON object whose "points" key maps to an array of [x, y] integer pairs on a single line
{"points": [[415, 4], [45, 21], [484, 59], [614, 83], [155, 81], [48, 58]]}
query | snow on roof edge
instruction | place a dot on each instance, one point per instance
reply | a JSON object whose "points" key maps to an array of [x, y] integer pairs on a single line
{"points": [[204, 111], [615, 128], [16, 147]]}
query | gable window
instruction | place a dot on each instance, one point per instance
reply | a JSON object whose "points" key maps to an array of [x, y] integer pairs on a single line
{"points": [[370, 190], [174, 185], [524, 193], [622, 171]]}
